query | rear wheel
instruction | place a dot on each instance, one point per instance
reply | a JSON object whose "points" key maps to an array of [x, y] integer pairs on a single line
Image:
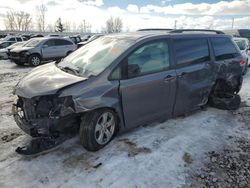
{"points": [[68, 53], [97, 129], [225, 101], [34, 60]]}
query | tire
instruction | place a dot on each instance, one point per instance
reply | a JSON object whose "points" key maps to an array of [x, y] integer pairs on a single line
{"points": [[34, 60], [90, 131], [225, 101], [19, 63], [69, 52]]}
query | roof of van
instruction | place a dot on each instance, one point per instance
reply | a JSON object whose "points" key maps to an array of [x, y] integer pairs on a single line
{"points": [[147, 34]]}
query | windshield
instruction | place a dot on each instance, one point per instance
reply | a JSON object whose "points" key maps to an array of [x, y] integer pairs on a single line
{"points": [[93, 58], [241, 44], [33, 42]]}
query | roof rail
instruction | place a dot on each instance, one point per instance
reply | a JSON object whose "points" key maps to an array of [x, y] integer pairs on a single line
{"points": [[155, 29], [196, 30]]}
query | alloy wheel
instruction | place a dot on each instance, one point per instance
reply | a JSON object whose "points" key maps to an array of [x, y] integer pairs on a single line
{"points": [[105, 128]]}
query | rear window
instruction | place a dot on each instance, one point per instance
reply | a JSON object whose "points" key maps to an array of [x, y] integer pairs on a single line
{"points": [[224, 48], [191, 50], [61, 42]]}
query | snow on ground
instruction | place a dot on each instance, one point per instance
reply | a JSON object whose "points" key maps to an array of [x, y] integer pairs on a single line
{"points": [[158, 155]]}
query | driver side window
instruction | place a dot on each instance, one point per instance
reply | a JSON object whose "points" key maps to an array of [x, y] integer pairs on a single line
{"points": [[149, 58]]}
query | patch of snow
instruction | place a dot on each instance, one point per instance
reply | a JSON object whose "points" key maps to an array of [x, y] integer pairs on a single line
{"points": [[150, 156]]}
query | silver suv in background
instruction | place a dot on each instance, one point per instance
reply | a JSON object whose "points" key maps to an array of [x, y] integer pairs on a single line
{"points": [[40, 49], [4, 53], [243, 44]]}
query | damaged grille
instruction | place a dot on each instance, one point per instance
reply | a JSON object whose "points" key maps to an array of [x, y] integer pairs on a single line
{"points": [[28, 108], [39, 107], [14, 54]]}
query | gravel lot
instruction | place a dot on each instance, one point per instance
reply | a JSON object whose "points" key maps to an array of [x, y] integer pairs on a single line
{"points": [[208, 148]]}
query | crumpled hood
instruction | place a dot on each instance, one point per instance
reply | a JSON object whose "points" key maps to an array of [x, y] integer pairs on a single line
{"points": [[45, 80], [20, 49]]}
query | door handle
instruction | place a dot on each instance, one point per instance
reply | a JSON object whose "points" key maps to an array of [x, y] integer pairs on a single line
{"points": [[169, 78], [182, 74]]}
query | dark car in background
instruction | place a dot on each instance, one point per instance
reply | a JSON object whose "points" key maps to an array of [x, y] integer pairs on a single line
{"points": [[244, 33], [92, 38], [121, 81], [76, 39]]}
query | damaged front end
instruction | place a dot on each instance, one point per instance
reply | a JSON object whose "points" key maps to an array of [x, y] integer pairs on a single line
{"points": [[44, 116]]}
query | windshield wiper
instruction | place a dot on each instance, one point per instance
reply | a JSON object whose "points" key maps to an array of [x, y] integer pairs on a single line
{"points": [[67, 68]]}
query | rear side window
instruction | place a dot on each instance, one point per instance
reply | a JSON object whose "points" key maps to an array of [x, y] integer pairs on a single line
{"points": [[224, 48], [18, 39], [61, 42], [50, 43], [191, 50]]}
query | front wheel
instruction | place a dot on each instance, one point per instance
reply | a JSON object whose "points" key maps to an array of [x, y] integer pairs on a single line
{"points": [[97, 129], [34, 60]]}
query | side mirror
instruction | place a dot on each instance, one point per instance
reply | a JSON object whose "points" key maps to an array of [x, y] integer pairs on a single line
{"points": [[45, 46], [133, 70]]}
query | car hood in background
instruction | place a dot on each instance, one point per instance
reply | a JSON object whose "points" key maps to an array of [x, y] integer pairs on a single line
{"points": [[45, 80], [4, 50], [20, 49]]}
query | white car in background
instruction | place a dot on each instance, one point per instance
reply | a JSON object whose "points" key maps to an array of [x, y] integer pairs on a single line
{"points": [[4, 53], [244, 45]]}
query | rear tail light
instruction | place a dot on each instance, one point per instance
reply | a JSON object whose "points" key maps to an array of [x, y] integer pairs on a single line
{"points": [[242, 62]]}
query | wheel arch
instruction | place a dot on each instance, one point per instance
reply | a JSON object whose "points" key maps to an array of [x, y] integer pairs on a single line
{"points": [[39, 55], [118, 115]]}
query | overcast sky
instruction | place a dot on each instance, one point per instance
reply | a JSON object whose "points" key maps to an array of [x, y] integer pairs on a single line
{"points": [[139, 13]]}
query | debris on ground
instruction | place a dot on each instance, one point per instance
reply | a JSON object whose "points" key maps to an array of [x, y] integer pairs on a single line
{"points": [[132, 148], [10, 137], [187, 158], [227, 168]]}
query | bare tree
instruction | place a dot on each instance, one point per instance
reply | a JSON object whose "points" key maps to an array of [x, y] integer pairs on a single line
{"points": [[67, 26], [84, 27], [27, 22], [41, 11], [10, 21], [19, 21], [114, 25]]}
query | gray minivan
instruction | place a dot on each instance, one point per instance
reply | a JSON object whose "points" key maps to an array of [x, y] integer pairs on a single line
{"points": [[121, 81]]}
